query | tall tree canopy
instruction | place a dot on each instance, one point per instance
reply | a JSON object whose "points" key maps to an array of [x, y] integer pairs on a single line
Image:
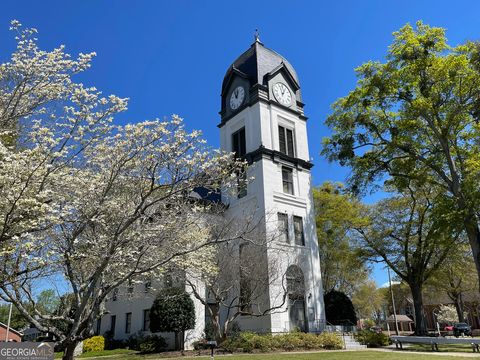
{"points": [[89, 202], [406, 234], [336, 214], [416, 116], [368, 301]]}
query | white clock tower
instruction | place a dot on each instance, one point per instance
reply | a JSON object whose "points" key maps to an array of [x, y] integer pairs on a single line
{"points": [[262, 120]]}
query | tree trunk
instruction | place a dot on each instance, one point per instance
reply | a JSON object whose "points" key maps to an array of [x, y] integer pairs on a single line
{"points": [[217, 328], [420, 326], [177, 341], [459, 307], [69, 351], [473, 233]]}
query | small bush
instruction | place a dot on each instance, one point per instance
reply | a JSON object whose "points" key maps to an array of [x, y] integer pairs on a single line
{"points": [[372, 339], [152, 344], [209, 331], [111, 343], [200, 345], [95, 343], [250, 342], [291, 341], [331, 341], [311, 341]]}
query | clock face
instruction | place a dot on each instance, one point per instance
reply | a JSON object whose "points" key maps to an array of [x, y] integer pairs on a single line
{"points": [[282, 94], [237, 97]]}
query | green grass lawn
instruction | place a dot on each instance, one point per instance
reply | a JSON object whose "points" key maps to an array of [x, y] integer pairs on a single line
{"points": [[441, 347], [96, 354], [337, 355]]}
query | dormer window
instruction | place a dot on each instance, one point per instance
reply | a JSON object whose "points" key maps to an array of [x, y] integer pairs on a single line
{"points": [[285, 140]]}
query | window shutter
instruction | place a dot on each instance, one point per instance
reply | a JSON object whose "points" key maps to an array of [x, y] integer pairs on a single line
{"points": [[290, 143], [281, 139]]}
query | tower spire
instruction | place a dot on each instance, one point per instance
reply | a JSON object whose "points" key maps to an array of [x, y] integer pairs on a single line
{"points": [[256, 35]]}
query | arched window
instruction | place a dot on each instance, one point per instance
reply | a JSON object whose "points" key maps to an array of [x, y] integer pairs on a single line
{"points": [[296, 298], [295, 283]]}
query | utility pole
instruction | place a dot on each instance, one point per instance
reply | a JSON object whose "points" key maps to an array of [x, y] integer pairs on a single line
{"points": [[8, 323], [393, 302]]}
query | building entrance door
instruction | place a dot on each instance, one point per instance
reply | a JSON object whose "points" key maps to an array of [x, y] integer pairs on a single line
{"points": [[296, 299], [297, 315]]}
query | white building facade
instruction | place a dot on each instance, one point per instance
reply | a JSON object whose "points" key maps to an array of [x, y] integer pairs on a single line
{"points": [[262, 120]]}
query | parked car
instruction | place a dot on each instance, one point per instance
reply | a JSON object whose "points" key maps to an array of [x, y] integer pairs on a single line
{"points": [[462, 329], [448, 328]]}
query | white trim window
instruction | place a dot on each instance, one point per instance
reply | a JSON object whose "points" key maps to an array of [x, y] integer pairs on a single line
{"points": [[286, 141], [287, 180], [298, 231], [283, 228]]}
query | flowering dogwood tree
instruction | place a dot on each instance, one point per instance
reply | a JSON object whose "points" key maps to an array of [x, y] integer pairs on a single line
{"points": [[86, 204]]}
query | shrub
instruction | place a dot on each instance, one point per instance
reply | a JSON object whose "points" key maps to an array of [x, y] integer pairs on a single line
{"points": [[262, 342], [95, 343], [146, 344], [152, 344], [339, 309], [209, 331], [372, 339], [311, 341], [249, 342], [291, 341], [173, 310], [111, 343], [199, 345], [331, 341]]}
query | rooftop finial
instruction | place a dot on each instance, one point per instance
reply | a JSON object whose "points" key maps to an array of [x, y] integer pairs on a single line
{"points": [[257, 36]]}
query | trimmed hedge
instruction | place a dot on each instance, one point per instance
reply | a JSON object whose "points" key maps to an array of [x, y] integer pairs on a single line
{"points": [[372, 339], [152, 344], [95, 343], [249, 342]]}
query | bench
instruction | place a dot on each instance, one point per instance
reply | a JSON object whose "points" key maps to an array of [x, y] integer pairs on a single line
{"points": [[435, 341]]}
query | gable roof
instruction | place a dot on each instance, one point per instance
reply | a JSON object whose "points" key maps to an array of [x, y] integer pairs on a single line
{"points": [[11, 329], [400, 318]]}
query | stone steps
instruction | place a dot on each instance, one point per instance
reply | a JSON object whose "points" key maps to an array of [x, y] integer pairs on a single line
{"points": [[352, 344]]}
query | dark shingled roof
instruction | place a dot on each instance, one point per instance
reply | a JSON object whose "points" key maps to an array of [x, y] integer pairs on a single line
{"points": [[256, 62], [202, 193]]}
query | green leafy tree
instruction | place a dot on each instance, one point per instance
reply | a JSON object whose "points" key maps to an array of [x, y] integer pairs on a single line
{"points": [[368, 301], [416, 116], [401, 294], [17, 321], [339, 309], [172, 311], [336, 214], [455, 277], [406, 234], [48, 301]]}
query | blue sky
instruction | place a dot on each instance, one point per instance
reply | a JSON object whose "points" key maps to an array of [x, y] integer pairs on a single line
{"points": [[170, 56]]}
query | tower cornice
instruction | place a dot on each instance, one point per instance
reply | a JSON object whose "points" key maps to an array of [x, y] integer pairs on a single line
{"points": [[276, 156]]}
